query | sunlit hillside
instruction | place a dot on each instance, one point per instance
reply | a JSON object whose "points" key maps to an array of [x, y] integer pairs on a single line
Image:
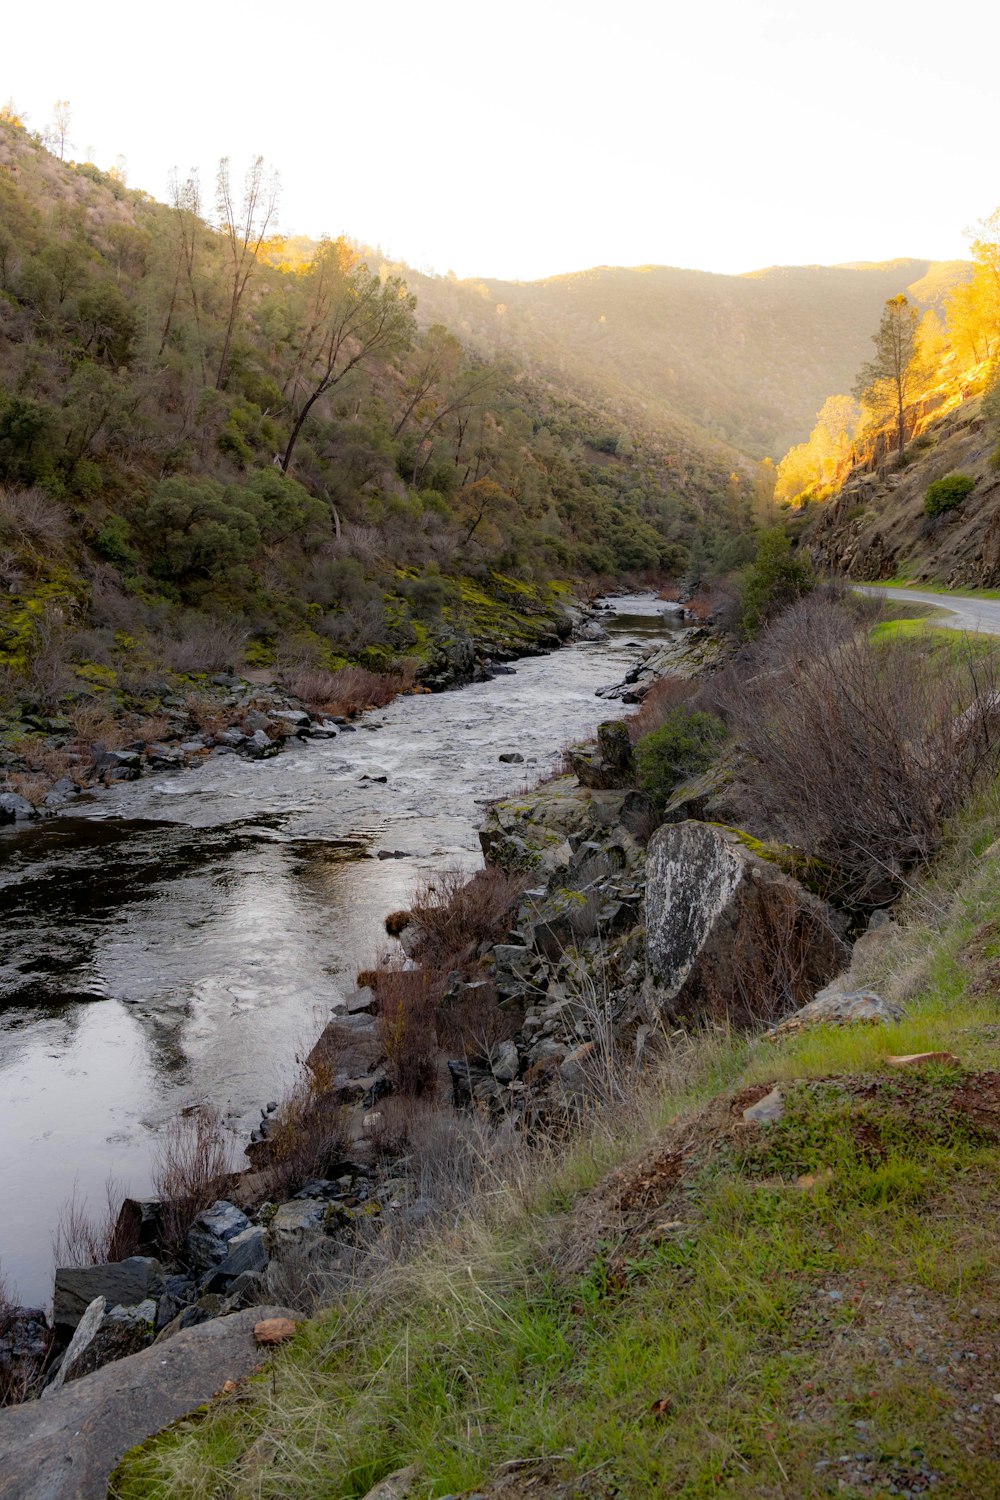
{"points": [[746, 360]]}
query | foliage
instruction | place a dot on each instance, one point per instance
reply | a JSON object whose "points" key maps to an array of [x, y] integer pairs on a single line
{"points": [[685, 743], [945, 494], [776, 579]]}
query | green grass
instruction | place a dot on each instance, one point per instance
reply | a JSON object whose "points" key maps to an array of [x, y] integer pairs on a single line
{"points": [[936, 588], [782, 1327]]}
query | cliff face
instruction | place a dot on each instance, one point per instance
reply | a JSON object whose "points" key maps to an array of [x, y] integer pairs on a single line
{"points": [[876, 526]]}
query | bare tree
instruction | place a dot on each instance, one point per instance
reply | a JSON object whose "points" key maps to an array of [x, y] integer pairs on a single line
{"points": [[245, 226], [58, 132]]}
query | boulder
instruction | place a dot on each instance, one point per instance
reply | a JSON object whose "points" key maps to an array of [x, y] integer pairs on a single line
{"points": [[730, 936], [209, 1236], [103, 1337], [123, 1283], [294, 1222], [25, 1341], [836, 1006], [15, 808], [247, 1252], [260, 747], [64, 1448]]}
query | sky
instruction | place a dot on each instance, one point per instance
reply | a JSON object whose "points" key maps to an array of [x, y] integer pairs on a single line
{"points": [[534, 137]]}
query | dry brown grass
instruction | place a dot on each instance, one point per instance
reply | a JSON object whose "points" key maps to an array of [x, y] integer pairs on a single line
{"points": [[408, 1000], [30, 785], [456, 914], [349, 690], [95, 728], [150, 730], [308, 1132], [206, 714]]}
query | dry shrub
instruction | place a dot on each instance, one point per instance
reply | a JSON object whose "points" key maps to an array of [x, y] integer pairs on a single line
{"points": [[206, 714], [21, 1363], [472, 1021], [203, 645], [711, 602], [38, 755], [658, 704], [191, 1170], [32, 518], [83, 1238], [858, 751], [455, 914], [29, 785], [349, 690], [407, 1007], [150, 730], [397, 922], [308, 1131], [95, 728]]}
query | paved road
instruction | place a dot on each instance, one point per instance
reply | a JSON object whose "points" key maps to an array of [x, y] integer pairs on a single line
{"points": [[958, 610]]}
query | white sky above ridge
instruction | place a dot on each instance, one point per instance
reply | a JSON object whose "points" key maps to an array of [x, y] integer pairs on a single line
{"points": [[542, 136]]}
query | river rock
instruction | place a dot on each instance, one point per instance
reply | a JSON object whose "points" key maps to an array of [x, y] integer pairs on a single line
{"points": [[294, 1222], [15, 808], [729, 935], [25, 1341], [259, 747], [247, 1252], [836, 1006], [65, 1448], [211, 1232], [122, 1282]]}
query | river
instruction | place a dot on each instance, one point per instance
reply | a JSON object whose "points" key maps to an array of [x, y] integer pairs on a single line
{"points": [[182, 939]]}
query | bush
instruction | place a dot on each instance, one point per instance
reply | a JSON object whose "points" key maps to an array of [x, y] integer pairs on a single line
{"points": [[685, 743], [777, 578], [856, 750], [945, 494]]}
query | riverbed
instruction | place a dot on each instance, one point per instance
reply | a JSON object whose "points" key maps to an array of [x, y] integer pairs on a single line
{"points": [[182, 939]]}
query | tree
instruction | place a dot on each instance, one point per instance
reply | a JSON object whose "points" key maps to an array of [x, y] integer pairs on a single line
{"points": [[350, 315], [888, 375], [57, 134], [244, 227], [777, 578]]}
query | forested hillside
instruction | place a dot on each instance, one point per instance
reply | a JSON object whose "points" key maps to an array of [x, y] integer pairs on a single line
{"points": [[215, 441], [745, 360]]}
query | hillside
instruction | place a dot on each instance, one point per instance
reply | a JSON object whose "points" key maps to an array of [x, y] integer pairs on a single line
{"points": [[745, 360], [218, 446]]}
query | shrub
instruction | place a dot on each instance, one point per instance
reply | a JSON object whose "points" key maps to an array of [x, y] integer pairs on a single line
{"points": [[858, 750], [776, 579], [658, 704], [945, 494], [685, 743], [192, 1166]]}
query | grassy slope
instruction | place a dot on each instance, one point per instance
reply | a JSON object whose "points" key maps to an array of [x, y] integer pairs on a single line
{"points": [[787, 1339]]}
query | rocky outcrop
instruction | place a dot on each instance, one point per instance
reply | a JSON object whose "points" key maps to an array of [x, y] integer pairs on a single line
{"points": [[65, 1447], [730, 937]]}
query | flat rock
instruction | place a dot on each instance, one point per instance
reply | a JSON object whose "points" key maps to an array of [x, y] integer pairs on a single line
{"points": [[397, 1486], [122, 1282], [838, 1007], [920, 1059], [64, 1448], [766, 1110]]}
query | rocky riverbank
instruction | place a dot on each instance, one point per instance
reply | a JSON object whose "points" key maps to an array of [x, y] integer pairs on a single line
{"points": [[46, 761]]}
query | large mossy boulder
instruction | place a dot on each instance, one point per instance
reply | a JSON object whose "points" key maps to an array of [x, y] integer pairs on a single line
{"points": [[730, 936]]}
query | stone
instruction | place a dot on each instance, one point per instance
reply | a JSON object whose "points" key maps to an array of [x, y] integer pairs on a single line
{"points": [[511, 758], [260, 747], [718, 916], [246, 1252], [396, 1486], [294, 1222], [835, 1006], [64, 1448], [25, 1341], [504, 1062], [234, 738], [123, 1282], [15, 808], [210, 1233], [83, 1336], [361, 1002], [766, 1110], [272, 1331], [178, 1292]]}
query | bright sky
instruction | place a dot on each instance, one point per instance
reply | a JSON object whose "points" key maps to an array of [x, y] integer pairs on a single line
{"points": [[537, 136]]}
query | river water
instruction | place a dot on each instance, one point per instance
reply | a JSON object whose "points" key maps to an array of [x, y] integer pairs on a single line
{"points": [[182, 939]]}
